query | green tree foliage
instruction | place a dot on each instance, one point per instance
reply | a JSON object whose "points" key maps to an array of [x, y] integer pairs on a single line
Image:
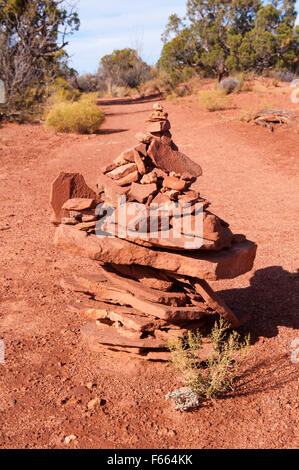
{"points": [[123, 67], [33, 35], [232, 35]]}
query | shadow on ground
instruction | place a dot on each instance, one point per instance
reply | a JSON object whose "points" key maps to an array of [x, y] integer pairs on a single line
{"points": [[128, 100], [272, 300], [110, 131], [269, 374]]}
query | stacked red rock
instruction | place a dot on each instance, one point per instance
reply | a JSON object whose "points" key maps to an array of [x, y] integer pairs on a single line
{"points": [[140, 296]]}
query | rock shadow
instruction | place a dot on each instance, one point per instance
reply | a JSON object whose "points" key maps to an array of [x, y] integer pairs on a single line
{"points": [[272, 300]]}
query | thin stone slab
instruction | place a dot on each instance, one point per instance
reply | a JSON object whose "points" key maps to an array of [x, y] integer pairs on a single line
{"points": [[122, 171], [104, 292], [217, 303], [129, 320], [134, 287], [148, 277], [129, 179], [109, 281], [225, 264], [110, 336]]}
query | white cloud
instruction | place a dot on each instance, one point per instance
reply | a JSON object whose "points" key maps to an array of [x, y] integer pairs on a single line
{"points": [[115, 25]]}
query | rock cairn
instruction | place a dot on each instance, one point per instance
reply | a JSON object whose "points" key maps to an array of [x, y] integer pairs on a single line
{"points": [[150, 285]]}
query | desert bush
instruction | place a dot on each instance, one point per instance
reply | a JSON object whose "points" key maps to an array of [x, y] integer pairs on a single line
{"points": [[215, 376], [63, 91], [161, 83], [123, 68], [230, 84], [285, 75], [91, 97], [213, 100], [82, 117]]}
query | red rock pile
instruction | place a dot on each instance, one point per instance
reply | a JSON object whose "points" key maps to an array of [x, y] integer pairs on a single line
{"points": [[150, 285]]}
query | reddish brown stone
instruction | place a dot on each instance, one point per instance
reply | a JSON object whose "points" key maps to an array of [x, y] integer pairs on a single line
{"points": [[146, 275], [135, 288], [139, 163], [122, 171], [217, 303], [141, 192], [189, 197], [170, 160], [225, 264], [78, 204], [159, 126], [141, 148], [149, 178], [144, 138], [68, 186], [86, 225], [89, 218], [111, 189], [127, 155], [109, 335], [129, 179], [109, 167], [69, 221], [172, 182], [158, 115]]}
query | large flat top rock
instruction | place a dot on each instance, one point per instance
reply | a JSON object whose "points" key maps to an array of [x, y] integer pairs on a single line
{"points": [[225, 264], [169, 160]]}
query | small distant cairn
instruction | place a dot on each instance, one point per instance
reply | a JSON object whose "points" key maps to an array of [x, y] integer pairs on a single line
{"points": [[149, 284]]}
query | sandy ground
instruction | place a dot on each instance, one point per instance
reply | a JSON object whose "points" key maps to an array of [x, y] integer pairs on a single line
{"points": [[49, 376]]}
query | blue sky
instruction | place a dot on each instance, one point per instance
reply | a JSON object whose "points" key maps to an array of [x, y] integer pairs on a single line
{"points": [[115, 24]]}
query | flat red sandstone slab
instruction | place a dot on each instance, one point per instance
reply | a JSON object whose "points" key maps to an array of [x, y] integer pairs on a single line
{"points": [[78, 204], [225, 264], [110, 336]]}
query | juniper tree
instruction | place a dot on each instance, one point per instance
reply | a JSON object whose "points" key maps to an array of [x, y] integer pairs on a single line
{"points": [[33, 36], [236, 35]]}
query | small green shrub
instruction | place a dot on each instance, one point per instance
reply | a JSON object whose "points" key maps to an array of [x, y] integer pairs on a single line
{"points": [[82, 117], [213, 100], [215, 376]]}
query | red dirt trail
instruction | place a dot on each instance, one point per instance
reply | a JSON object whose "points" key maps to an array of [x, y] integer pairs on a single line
{"points": [[49, 376]]}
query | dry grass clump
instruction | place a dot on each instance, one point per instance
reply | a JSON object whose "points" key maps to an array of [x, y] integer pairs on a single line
{"points": [[62, 91], [214, 100], [81, 117], [230, 84], [215, 376]]}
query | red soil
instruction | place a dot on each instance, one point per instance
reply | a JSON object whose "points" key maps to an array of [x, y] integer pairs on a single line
{"points": [[251, 177]]}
